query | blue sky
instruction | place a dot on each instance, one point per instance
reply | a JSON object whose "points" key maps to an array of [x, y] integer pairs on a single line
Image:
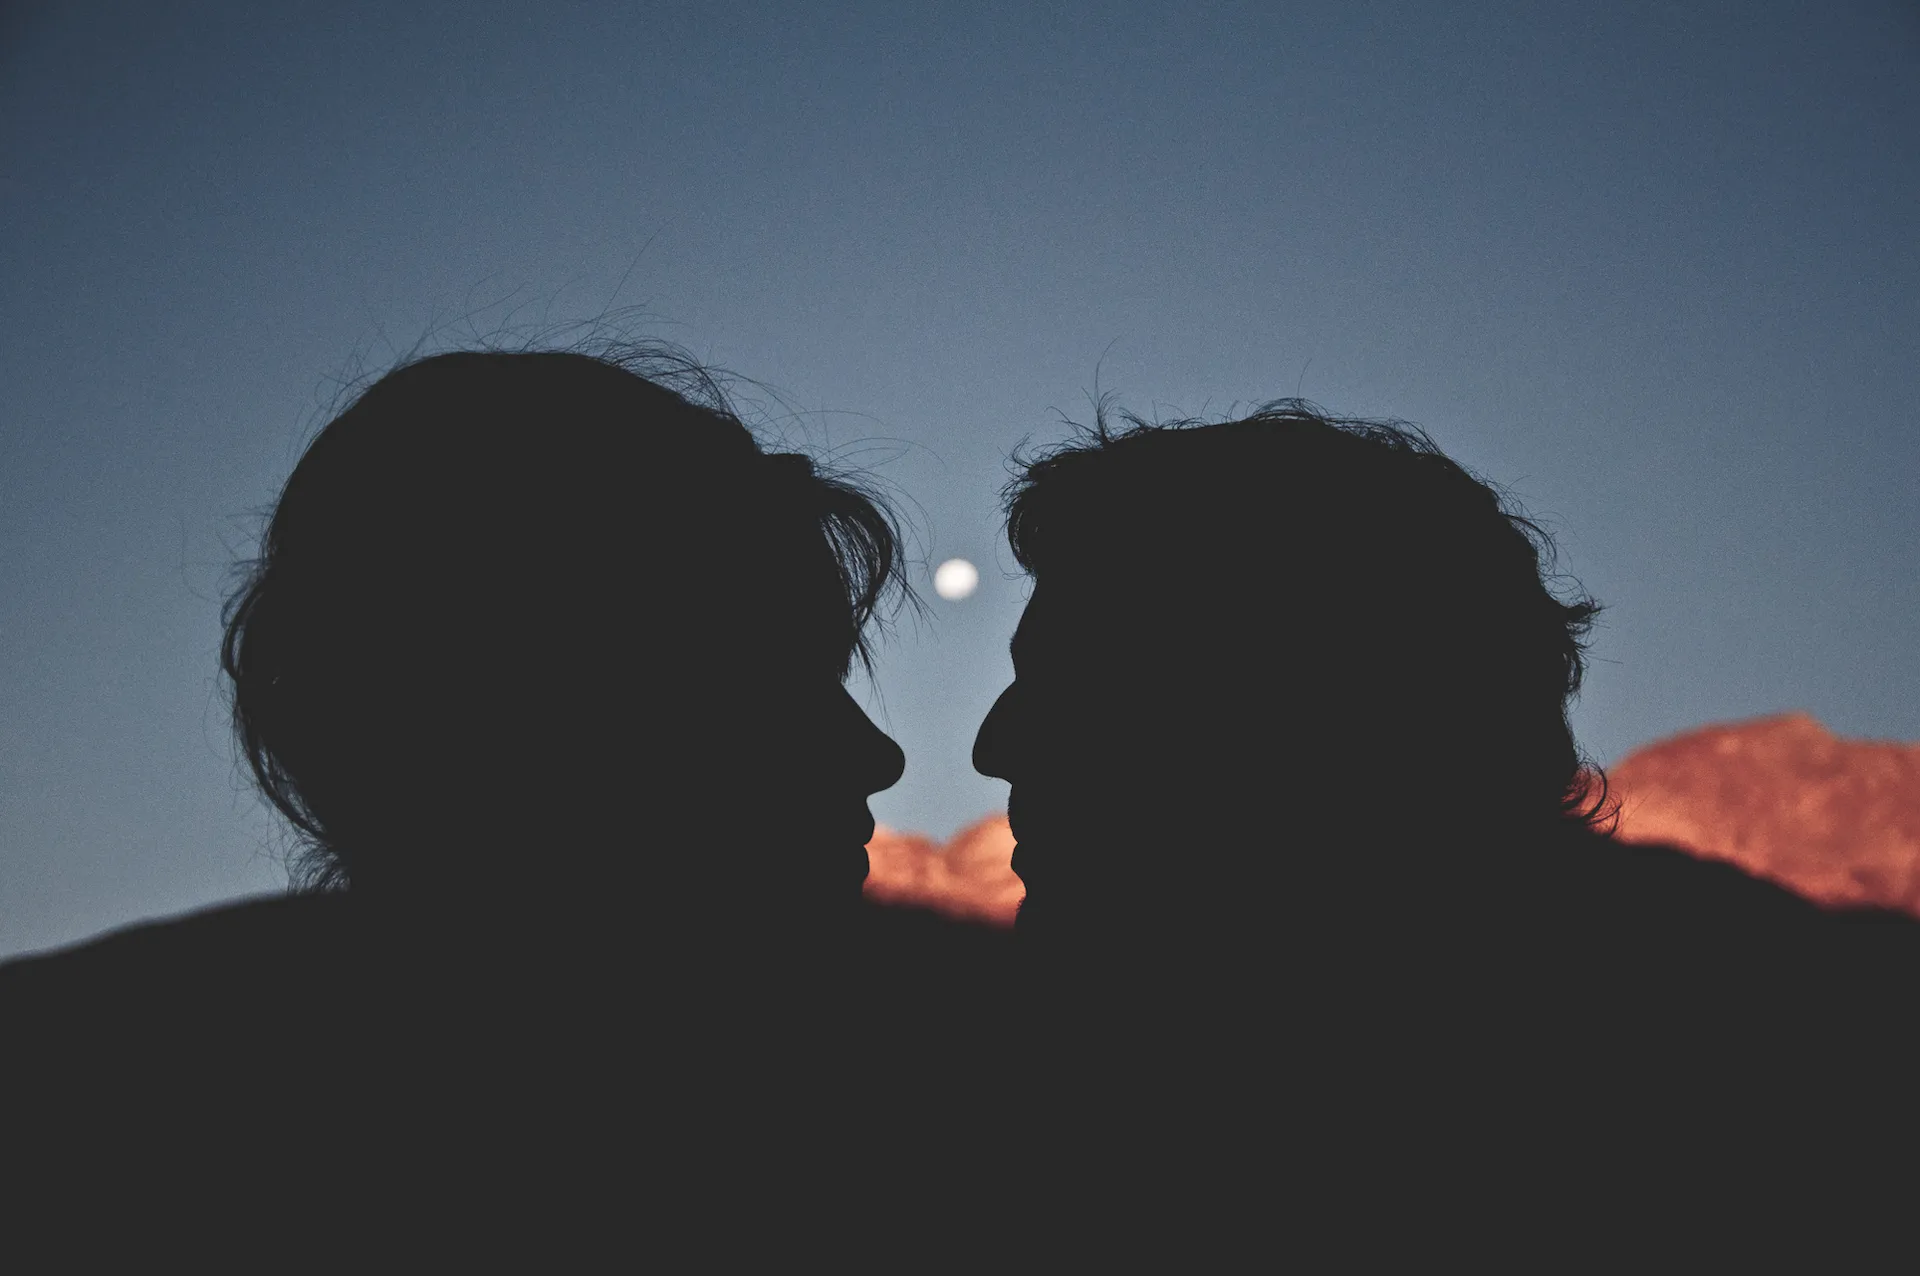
{"points": [[1654, 266]]}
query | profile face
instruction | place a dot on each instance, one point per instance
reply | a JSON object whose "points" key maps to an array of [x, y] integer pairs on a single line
{"points": [[1147, 755], [1084, 738], [767, 754], [802, 761]]}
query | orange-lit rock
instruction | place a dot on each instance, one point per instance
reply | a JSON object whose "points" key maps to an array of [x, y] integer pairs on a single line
{"points": [[970, 878], [1836, 820]]}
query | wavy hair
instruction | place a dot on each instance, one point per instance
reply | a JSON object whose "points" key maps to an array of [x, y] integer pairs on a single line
{"points": [[476, 510], [1435, 567]]}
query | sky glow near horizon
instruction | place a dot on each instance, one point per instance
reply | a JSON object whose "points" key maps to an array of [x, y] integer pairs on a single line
{"points": [[1652, 268]]}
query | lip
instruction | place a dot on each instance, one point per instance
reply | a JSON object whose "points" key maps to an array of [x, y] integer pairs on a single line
{"points": [[1022, 862], [1016, 820]]}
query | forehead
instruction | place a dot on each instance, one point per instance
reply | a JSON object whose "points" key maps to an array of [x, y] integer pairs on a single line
{"points": [[1145, 625], [1047, 620], [1086, 620]]}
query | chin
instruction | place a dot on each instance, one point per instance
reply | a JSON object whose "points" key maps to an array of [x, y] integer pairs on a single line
{"points": [[1032, 919]]}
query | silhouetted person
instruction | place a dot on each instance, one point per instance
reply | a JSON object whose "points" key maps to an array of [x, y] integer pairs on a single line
{"points": [[543, 660], [1303, 827]]}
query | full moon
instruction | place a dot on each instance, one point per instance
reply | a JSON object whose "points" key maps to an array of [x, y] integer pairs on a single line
{"points": [[955, 579]]}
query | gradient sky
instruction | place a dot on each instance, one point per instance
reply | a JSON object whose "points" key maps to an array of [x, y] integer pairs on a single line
{"points": [[1654, 266]]}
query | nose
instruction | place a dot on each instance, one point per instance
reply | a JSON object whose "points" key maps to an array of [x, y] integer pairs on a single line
{"points": [[990, 744], [882, 762]]}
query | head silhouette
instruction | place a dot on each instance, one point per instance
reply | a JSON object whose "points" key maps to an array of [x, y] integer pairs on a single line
{"points": [[548, 630], [1265, 659]]}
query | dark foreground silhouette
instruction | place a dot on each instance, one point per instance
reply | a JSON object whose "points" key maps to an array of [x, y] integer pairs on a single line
{"points": [[521, 625], [524, 623], [1312, 860]]}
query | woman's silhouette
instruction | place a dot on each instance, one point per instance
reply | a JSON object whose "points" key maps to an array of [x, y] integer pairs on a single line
{"points": [[528, 625], [543, 659]]}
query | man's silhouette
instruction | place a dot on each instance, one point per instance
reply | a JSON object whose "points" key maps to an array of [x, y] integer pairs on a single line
{"points": [[543, 660], [1295, 793]]}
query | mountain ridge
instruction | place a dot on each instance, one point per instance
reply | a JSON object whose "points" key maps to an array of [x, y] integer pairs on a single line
{"points": [[1834, 819]]}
